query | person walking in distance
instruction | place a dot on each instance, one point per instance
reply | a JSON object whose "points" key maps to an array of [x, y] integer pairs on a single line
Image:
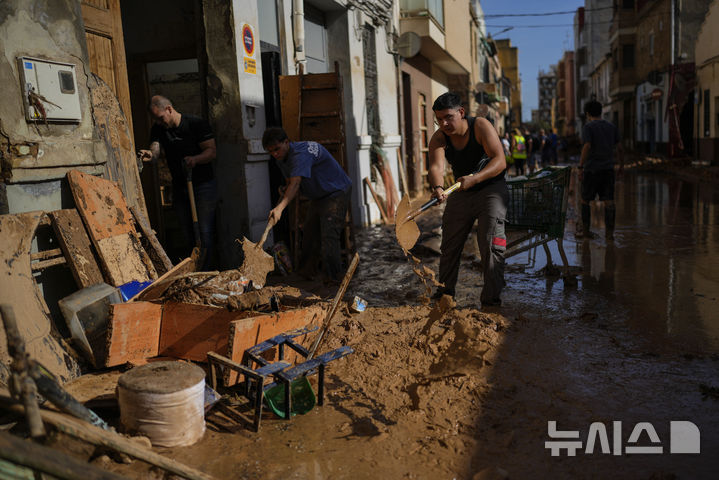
{"points": [[519, 152], [596, 167], [466, 143]]}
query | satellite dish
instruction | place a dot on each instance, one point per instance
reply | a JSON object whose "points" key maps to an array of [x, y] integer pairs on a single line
{"points": [[409, 44]]}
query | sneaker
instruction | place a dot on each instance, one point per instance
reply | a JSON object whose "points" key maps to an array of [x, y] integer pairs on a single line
{"points": [[496, 302], [440, 292]]}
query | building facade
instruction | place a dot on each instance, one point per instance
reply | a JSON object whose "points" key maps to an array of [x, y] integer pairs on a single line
{"points": [[509, 59], [706, 119], [547, 96]]}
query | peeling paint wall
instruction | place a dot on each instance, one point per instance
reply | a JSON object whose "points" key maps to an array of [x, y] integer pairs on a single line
{"points": [[36, 156]]}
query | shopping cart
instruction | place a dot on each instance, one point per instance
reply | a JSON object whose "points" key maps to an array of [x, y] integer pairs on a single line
{"points": [[537, 212]]}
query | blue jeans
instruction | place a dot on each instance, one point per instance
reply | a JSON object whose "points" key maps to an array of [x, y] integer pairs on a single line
{"points": [[206, 198]]}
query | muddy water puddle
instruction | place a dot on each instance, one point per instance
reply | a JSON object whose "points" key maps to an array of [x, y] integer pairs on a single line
{"points": [[659, 275]]}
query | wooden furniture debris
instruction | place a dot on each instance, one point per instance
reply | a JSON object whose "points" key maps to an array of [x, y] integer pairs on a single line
{"points": [[312, 110], [133, 333], [157, 289], [38, 458], [18, 289], [248, 332], [152, 246], [189, 331], [110, 225], [97, 436], [75, 245]]}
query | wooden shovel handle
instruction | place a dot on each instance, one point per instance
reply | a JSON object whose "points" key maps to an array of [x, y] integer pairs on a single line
{"points": [[269, 226]]}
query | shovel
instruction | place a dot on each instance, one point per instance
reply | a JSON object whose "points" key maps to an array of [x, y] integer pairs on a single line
{"points": [[406, 228], [193, 211], [257, 263]]}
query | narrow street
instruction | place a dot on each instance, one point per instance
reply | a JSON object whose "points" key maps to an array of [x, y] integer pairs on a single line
{"points": [[468, 394]]}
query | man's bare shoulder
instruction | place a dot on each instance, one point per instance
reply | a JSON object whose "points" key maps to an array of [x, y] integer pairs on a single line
{"points": [[437, 140]]}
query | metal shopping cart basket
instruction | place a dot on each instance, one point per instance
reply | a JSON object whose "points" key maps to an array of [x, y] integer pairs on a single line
{"points": [[537, 211]]}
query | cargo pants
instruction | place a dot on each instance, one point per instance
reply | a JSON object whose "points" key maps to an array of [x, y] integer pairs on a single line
{"points": [[489, 207]]}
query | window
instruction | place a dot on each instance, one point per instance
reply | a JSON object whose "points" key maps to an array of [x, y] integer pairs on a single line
{"points": [[628, 56]]}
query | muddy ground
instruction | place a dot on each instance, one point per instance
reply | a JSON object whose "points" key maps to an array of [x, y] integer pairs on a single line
{"points": [[466, 393]]}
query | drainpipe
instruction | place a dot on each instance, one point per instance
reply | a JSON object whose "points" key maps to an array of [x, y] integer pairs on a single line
{"points": [[298, 20], [671, 29]]}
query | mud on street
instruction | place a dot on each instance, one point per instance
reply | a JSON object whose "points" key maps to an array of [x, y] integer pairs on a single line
{"points": [[444, 391]]}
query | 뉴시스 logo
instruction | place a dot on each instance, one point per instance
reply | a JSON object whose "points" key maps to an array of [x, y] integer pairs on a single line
{"points": [[684, 437]]}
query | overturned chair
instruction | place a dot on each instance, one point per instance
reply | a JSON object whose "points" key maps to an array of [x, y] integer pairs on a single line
{"points": [[257, 369]]}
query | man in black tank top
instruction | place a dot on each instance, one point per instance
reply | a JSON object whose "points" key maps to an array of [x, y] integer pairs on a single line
{"points": [[465, 142]]}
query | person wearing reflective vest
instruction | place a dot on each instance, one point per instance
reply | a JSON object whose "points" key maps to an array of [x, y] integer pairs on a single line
{"points": [[519, 152]]}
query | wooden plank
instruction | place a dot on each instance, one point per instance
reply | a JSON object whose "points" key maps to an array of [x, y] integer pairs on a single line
{"points": [[289, 104], [111, 227], [124, 259], [101, 204], [189, 331], [75, 244], [104, 438], [248, 332], [158, 287], [159, 258], [48, 460], [133, 334], [19, 290], [44, 255], [102, 61], [43, 264]]}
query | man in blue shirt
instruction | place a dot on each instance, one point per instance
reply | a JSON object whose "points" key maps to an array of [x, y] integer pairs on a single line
{"points": [[309, 168]]}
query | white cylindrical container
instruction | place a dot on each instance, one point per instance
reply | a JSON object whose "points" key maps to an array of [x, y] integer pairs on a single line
{"points": [[164, 401]]}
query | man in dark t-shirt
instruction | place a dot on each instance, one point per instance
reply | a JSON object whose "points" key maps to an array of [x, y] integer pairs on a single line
{"points": [[472, 147], [596, 167], [189, 146]]}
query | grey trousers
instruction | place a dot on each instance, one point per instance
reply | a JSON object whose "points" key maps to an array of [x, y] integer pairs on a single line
{"points": [[489, 207]]}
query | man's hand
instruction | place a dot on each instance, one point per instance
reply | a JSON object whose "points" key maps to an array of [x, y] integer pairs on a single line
{"points": [[439, 194], [467, 182], [144, 155], [190, 161], [275, 215]]}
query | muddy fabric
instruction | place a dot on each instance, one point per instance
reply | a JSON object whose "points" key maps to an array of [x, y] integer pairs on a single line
{"points": [[321, 235], [489, 207]]}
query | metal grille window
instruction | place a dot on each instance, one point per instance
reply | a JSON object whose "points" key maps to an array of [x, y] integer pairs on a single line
{"points": [[370, 78]]}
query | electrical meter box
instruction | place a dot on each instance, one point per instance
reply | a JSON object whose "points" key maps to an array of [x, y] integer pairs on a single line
{"points": [[50, 91]]}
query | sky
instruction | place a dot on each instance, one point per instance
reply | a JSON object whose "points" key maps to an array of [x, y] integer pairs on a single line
{"points": [[541, 42]]}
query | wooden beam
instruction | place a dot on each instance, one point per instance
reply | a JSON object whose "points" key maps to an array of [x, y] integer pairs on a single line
{"points": [[55, 252], [159, 286], [75, 244], [156, 252], [48, 460], [43, 264], [97, 436]]}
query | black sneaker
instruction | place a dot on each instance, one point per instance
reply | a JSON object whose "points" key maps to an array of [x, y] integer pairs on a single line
{"points": [[440, 292], [496, 302]]}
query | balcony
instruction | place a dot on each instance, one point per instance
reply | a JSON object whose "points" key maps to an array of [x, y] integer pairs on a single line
{"points": [[426, 19], [423, 8]]}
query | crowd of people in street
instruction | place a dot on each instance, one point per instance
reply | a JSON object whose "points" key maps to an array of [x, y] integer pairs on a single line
{"points": [[528, 151]]}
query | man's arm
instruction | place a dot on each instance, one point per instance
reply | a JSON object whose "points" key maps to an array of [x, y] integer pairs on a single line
{"points": [[208, 154], [293, 186], [485, 133], [435, 176]]}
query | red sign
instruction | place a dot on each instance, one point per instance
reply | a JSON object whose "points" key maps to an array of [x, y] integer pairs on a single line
{"points": [[248, 39]]}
